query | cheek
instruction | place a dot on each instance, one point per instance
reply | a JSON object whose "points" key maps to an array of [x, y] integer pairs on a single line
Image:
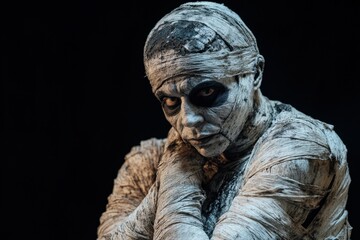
{"points": [[242, 107], [217, 115], [243, 95], [172, 120]]}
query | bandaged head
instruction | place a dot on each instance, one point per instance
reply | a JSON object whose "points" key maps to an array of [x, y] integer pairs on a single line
{"points": [[204, 43]]}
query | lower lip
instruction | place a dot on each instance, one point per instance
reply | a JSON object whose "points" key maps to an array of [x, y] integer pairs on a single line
{"points": [[202, 141]]}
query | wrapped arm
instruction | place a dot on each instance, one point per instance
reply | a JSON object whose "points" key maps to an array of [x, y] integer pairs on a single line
{"points": [[130, 210], [289, 175], [275, 205], [180, 195]]}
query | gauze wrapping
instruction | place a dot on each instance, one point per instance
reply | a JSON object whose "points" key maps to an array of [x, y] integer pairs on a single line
{"points": [[282, 168], [220, 64]]}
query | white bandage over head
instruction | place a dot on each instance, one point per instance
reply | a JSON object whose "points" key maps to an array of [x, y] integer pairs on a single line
{"points": [[240, 59]]}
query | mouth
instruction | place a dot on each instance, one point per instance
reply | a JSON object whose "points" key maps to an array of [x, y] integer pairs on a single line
{"points": [[202, 140]]}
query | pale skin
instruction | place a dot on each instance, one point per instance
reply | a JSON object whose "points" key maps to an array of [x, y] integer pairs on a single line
{"points": [[188, 173], [235, 164], [199, 126], [193, 124]]}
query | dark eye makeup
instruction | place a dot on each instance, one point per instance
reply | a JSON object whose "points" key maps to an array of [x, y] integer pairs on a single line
{"points": [[170, 104], [208, 94]]}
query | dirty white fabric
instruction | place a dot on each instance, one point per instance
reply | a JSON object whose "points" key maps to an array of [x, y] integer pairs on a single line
{"points": [[218, 64], [283, 175], [297, 166]]}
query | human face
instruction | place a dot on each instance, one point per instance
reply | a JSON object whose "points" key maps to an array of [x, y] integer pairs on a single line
{"points": [[202, 110]]}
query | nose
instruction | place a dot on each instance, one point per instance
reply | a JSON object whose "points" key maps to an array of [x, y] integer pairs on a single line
{"points": [[191, 116]]}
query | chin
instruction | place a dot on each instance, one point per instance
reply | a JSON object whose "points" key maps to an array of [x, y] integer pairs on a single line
{"points": [[213, 149]]}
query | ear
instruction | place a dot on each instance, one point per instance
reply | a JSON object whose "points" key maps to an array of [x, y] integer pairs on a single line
{"points": [[259, 69]]}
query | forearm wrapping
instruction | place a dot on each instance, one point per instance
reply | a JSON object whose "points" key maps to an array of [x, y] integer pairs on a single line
{"points": [[180, 197]]}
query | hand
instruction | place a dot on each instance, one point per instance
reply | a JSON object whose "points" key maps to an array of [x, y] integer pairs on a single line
{"points": [[180, 195]]}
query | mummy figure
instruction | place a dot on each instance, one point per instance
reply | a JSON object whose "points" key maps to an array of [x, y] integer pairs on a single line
{"points": [[235, 164]]}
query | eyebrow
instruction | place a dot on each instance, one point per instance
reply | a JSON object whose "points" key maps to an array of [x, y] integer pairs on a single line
{"points": [[205, 85], [160, 94], [185, 86], [173, 88]]}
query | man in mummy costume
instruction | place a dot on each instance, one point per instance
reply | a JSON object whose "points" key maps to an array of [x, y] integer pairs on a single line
{"points": [[235, 164]]}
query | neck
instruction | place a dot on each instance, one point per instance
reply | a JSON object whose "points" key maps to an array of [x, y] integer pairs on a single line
{"points": [[255, 126]]}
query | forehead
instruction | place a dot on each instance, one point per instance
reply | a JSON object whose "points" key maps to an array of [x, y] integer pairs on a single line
{"points": [[184, 85]]}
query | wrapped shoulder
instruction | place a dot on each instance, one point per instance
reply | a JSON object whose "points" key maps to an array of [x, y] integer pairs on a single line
{"points": [[299, 129], [147, 149], [294, 139]]}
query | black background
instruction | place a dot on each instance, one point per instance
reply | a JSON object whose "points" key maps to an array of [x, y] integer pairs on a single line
{"points": [[76, 98]]}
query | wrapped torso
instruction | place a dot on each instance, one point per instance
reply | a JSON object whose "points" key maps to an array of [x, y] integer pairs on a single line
{"points": [[291, 184]]}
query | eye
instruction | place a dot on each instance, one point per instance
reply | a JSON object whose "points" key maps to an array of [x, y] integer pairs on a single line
{"points": [[170, 102], [170, 105], [208, 94]]}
